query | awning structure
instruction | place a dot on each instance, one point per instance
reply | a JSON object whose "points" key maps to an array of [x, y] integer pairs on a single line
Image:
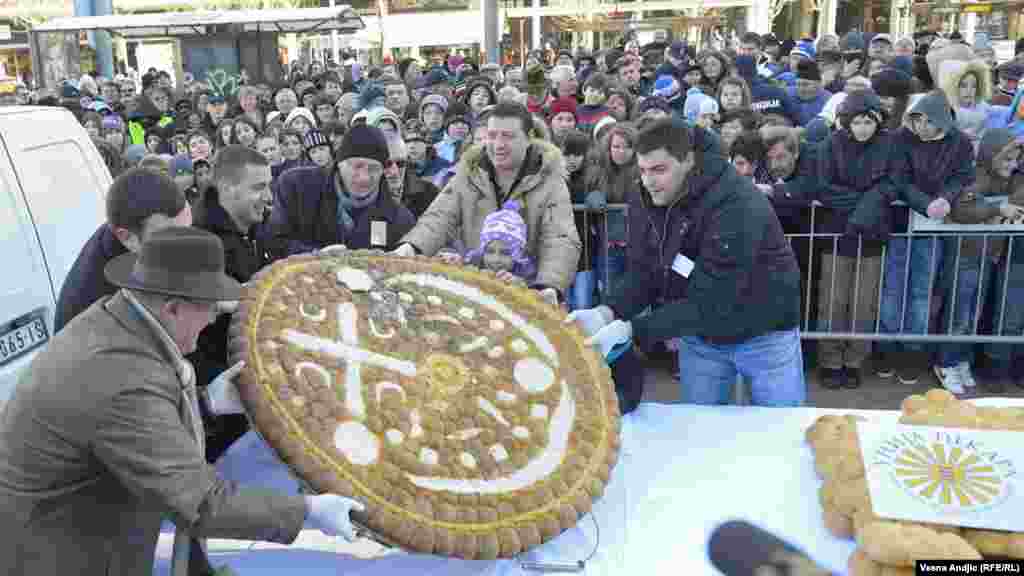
{"points": [[200, 23], [426, 29]]}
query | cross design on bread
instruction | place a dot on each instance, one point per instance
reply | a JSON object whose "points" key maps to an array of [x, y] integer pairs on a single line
{"points": [[362, 446]]}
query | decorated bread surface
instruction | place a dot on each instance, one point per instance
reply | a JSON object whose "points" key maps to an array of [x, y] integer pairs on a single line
{"points": [[887, 546], [460, 409]]}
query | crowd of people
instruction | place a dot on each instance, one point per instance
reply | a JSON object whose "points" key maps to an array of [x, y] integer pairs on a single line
{"points": [[713, 202], [848, 124]]}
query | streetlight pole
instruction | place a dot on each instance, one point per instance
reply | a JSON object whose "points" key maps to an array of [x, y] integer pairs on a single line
{"points": [[334, 43]]}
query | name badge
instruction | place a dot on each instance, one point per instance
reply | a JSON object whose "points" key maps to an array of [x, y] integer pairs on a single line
{"points": [[682, 265], [379, 233]]}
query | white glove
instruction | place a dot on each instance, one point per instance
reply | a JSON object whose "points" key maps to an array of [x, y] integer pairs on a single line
{"points": [[618, 332], [227, 307], [329, 513], [591, 320], [405, 251], [222, 394], [333, 250], [550, 296]]}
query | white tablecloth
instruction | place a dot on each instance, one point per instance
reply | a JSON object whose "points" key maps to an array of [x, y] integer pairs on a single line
{"points": [[683, 470]]}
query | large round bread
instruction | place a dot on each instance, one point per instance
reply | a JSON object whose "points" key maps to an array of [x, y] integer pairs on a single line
{"points": [[460, 409]]}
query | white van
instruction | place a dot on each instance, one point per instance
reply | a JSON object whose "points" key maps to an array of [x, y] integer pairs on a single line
{"points": [[53, 186]]}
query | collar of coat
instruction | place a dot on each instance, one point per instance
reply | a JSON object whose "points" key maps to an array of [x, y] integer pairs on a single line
{"points": [[543, 160], [212, 216]]}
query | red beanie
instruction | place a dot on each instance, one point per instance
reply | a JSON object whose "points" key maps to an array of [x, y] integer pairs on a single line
{"points": [[562, 105]]}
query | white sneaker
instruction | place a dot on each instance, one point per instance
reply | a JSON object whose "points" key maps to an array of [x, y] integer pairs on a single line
{"points": [[966, 378], [949, 378]]}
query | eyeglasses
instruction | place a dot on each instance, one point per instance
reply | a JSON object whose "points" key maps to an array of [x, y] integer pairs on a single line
{"points": [[400, 164]]}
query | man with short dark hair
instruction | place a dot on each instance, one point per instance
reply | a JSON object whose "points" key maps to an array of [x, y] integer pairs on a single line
{"points": [[233, 208], [708, 263], [750, 45], [512, 165], [396, 97], [139, 203]]}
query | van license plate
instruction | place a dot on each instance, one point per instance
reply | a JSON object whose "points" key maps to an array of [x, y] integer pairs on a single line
{"points": [[23, 339]]}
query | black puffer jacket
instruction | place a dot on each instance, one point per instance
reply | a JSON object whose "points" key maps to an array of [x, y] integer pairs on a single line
{"points": [[745, 282]]}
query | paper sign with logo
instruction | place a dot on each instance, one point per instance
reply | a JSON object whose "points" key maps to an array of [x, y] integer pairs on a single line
{"points": [[944, 475]]}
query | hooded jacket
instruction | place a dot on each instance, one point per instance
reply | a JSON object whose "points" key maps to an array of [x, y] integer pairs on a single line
{"points": [[458, 212], [972, 207], [765, 97], [745, 282], [936, 168], [971, 121], [857, 183]]}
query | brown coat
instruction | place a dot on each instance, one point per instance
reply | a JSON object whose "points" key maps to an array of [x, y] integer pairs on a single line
{"points": [[972, 207], [458, 213], [97, 445]]}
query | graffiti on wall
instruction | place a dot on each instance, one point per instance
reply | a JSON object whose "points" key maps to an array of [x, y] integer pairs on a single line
{"points": [[223, 83]]}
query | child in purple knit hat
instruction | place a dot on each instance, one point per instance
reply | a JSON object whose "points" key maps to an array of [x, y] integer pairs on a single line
{"points": [[503, 245]]}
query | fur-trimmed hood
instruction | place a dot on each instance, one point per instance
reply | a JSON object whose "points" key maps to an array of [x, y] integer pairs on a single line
{"points": [[935, 58], [951, 72], [470, 196], [544, 160]]}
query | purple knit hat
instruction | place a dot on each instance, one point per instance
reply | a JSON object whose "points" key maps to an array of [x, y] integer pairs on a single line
{"points": [[509, 227]]}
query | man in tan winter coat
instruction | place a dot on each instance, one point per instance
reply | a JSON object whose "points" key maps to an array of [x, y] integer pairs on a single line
{"points": [[102, 437], [512, 166]]}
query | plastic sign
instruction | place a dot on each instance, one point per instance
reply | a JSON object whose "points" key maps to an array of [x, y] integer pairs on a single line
{"points": [[942, 475]]}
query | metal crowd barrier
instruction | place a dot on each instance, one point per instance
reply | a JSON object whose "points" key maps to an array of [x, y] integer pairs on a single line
{"points": [[595, 223]]}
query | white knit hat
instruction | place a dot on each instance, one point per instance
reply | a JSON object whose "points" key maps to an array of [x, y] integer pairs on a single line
{"points": [[303, 112]]}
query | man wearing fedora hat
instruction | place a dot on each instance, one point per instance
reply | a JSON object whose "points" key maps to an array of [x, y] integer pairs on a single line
{"points": [[102, 437]]}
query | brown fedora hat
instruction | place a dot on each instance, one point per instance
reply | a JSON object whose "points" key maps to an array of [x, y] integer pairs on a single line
{"points": [[186, 262]]}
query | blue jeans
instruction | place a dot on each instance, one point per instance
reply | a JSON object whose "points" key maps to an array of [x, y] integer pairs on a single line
{"points": [[915, 314], [969, 284], [1013, 320], [581, 293], [773, 363]]}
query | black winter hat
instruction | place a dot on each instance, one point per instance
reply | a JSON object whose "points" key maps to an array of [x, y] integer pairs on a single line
{"points": [[363, 141], [808, 70], [860, 103]]}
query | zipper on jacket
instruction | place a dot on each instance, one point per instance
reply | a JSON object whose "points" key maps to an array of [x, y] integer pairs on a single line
{"points": [[662, 238]]}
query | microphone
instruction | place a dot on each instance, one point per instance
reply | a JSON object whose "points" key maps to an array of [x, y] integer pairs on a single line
{"points": [[738, 548]]}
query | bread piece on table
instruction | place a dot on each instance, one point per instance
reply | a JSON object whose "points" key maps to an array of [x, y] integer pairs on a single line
{"points": [[899, 544], [860, 564], [996, 544]]}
